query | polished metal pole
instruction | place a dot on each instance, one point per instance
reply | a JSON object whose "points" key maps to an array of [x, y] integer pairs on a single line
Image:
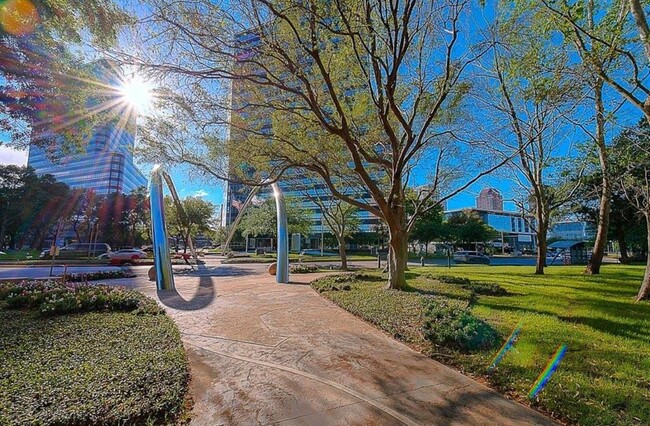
{"points": [[162, 261], [282, 274]]}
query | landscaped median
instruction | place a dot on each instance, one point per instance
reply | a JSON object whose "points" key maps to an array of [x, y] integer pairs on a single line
{"points": [[462, 316], [88, 354]]}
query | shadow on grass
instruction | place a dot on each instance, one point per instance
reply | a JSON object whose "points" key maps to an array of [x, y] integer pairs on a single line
{"points": [[462, 294], [630, 331]]}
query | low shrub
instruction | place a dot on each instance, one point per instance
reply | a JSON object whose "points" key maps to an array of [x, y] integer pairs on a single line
{"points": [[303, 269], [478, 287], [448, 279], [455, 327], [99, 275], [335, 283], [55, 298]]}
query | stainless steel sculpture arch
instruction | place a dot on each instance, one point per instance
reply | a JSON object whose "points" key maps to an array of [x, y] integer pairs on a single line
{"points": [[282, 270], [162, 260]]}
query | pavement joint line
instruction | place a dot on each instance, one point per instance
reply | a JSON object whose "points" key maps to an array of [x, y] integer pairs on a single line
{"points": [[319, 412], [236, 340], [397, 416]]}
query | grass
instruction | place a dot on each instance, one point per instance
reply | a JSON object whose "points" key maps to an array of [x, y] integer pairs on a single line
{"points": [[604, 379], [91, 368], [11, 255]]}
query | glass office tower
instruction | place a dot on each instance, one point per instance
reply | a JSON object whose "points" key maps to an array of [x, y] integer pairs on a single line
{"points": [[106, 164]]}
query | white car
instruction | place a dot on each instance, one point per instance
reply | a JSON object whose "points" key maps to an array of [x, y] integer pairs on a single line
{"points": [[126, 256], [472, 257]]}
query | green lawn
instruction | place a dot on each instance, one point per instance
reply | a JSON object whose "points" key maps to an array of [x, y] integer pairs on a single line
{"points": [[19, 255], [604, 378]]}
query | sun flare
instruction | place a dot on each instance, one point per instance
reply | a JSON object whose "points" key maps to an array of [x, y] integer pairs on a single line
{"points": [[137, 93]]}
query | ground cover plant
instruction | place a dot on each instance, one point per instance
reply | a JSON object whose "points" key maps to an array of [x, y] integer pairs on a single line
{"points": [[118, 361], [98, 275], [604, 379]]}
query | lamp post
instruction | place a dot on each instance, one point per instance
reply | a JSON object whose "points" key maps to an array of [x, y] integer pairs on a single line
{"points": [[322, 235]]}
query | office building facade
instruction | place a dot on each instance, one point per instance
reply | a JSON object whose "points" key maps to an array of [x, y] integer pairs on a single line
{"points": [[106, 164], [515, 230], [489, 199]]}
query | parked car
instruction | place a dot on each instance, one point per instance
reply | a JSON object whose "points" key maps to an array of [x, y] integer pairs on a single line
{"points": [[471, 257], [123, 256], [77, 250]]}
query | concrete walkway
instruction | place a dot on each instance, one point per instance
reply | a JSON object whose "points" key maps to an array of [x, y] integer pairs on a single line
{"points": [[264, 353]]}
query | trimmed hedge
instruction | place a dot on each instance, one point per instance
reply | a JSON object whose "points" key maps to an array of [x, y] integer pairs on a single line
{"points": [[91, 368]]}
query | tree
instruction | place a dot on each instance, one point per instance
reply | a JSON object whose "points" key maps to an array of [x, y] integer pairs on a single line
{"points": [[632, 163], [595, 31], [428, 227], [380, 85], [261, 220], [196, 217], [342, 220], [30, 206], [44, 91], [466, 228], [619, 27], [624, 224], [534, 95]]}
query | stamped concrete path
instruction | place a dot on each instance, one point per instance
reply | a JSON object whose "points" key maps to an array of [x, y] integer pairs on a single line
{"points": [[265, 353]]}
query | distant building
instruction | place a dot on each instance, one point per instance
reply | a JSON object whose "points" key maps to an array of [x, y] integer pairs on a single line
{"points": [[573, 230], [106, 164], [489, 199], [515, 228]]}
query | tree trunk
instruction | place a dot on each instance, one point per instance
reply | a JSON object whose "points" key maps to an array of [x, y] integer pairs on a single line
{"points": [[398, 258], [3, 229], [344, 258], [540, 261], [622, 244], [644, 291], [596, 259]]}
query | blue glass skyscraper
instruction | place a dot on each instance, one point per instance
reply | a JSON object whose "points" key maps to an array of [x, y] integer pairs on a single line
{"points": [[106, 164]]}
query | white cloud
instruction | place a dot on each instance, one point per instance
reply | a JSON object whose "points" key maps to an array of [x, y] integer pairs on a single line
{"points": [[12, 156], [200, 193]]}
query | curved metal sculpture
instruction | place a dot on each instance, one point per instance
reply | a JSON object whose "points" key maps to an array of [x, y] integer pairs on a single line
{"points": [[162, 261], [282, 270]]}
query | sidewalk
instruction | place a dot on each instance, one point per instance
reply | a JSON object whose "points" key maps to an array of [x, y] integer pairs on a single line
{"points": [[266, 353]]}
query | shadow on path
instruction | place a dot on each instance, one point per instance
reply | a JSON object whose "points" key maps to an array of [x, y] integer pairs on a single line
{"points": [[203, 297]]}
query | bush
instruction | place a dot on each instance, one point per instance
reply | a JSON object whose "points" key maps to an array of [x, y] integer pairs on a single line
{"points": [[478, 287], [55, 298], [455, 327], [99, 275], [303, 269]]}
